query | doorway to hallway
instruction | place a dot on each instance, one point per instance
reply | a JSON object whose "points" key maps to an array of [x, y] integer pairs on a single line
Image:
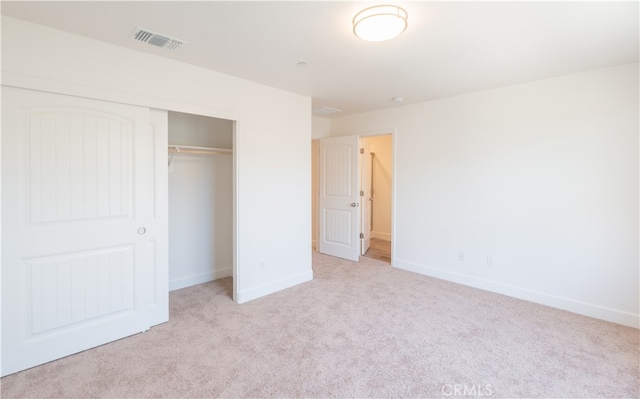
{"points": [[362, 168], [376, 166]]}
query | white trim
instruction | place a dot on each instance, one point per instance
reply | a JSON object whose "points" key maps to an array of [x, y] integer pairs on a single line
{"points": [[1, 373], [257, 292], [236, 198], [571, 305], [200, 278], [381, 236], [394, 133], [394, 179], [372, 133]]}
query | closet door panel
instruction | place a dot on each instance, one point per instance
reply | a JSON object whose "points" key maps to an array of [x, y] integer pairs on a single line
{"points": [[78, 178]]}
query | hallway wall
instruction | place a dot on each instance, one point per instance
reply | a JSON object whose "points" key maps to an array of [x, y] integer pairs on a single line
{"points": [[382, 146]]}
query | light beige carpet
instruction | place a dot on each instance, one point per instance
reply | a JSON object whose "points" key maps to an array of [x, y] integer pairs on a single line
{"points": [[357, 330]]}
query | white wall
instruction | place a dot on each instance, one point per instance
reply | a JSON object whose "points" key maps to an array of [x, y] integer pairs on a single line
{"points": [[197, 130], [320, 127], [272, 159], [541, 176], [200, 201]]}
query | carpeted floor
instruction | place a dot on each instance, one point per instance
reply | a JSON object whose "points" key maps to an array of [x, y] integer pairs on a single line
{"points": [[357, 330]]}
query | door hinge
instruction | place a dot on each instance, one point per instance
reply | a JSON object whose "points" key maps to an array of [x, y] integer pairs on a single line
{"points": [[361, 235], [362, 151], [361, 193]]}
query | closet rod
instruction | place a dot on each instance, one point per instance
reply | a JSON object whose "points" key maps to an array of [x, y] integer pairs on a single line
{"points": [[189, 149]]}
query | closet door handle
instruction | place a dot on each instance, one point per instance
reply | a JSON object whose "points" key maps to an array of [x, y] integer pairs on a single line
{"points": [[142, 230]]}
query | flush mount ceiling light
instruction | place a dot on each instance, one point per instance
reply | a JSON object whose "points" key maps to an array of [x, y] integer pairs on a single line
{"points": [[378, 23]]}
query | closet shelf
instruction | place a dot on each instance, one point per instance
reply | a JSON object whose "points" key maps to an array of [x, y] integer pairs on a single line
{"points": [[189, 149]]}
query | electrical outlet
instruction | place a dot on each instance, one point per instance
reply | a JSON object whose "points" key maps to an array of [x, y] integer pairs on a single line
{"points": [[461, 255], [489, 260]]}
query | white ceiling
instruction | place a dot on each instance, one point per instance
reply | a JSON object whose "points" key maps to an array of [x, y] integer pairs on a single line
{"points": [[449, 48]]}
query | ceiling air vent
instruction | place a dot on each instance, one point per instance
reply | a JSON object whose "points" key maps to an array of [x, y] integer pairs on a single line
{"points": [[156, 39]]}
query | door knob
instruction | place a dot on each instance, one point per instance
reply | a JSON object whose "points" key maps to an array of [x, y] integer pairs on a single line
{"points": [[142, 230], [354, 204]]}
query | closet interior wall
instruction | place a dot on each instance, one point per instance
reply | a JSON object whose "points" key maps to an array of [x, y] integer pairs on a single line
{"points": [[200, 201]]}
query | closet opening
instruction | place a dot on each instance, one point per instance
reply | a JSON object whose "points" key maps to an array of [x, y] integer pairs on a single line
{"points": [[200, 185]]}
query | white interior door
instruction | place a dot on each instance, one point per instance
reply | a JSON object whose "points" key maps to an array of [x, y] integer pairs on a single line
{"points": [[366, 195], [83, 227], [339, 213]]}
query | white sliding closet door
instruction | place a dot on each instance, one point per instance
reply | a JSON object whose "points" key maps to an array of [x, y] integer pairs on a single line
{"points": [[84, 225]]}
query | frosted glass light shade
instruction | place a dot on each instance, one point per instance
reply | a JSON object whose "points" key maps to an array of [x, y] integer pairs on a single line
{"points": [[379, 23]]}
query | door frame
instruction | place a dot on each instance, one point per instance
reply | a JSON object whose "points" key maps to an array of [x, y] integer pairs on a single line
{"points": [[366, 205], [383, 132], [367, 134]]}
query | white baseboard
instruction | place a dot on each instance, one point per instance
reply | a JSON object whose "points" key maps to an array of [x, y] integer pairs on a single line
{"points": [[257, 292], [571, 305], [188, 281], [382, 236]]}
